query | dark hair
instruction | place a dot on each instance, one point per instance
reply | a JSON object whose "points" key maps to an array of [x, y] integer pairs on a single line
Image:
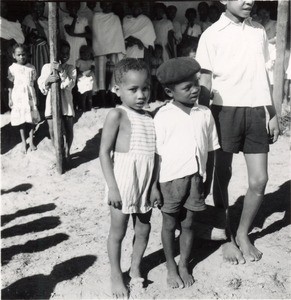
{"points": [[171, 7], [189, 11], [128, 64], [185, 47], [85, 48], [18, 45]]}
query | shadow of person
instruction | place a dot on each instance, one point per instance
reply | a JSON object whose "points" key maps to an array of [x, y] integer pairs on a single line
{"points": [[18, 188], [27, 211], [89, 152], [278, 201], [42, 286], [41, 224], [10, 137], [32, 246]]}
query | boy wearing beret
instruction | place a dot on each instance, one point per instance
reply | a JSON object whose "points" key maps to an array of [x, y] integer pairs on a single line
{"points": [[185, 132], [233, 53]]}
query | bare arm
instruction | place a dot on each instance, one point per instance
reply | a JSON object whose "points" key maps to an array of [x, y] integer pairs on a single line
{"points": [[108, 140], [206, 84], [155, 196]]}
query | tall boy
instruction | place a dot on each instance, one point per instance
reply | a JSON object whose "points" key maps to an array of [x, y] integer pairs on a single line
{"points": [[185, 132], [232, 54]]}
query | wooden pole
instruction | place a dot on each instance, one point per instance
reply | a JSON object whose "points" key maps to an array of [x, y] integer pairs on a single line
{"points": [[281, 40], [55, 87]]}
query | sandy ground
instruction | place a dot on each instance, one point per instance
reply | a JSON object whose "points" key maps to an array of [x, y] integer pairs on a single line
{"points": [[54, 228]]}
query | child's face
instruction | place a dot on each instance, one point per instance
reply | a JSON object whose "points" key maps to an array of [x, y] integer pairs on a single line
{"points": [[20, 56], [187, 92], [73, 7], [134, 90], [85, 55], [239, 10], [64, 54]]}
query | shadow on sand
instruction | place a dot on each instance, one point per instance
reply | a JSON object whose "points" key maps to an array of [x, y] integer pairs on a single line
{"points": [[41, 224], [90, 151], [27, 211], [18, 188], [42, 286], [32, 246]]}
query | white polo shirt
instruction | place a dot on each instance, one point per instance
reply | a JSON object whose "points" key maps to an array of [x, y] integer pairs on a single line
{"points": [[182, 140], [236, 54]]}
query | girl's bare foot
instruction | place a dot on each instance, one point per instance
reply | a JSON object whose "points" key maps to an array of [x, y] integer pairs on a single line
{"points": [[232, 254], [23, 149], [186, 277], [174, 280], [32, 147], [118, 287], [249, 251]]}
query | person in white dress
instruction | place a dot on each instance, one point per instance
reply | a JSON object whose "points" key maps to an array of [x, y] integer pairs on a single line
{"points": [[22, 98]]}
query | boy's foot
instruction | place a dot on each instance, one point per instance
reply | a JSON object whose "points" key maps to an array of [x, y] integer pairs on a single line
{"points": [[118, 287], [135, 273], [186, 277], [174, 281], [232, 254], [249, 251]]}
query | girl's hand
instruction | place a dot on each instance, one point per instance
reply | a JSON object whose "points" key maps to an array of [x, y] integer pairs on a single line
{"points": [[114, 198], [156, 197], [51, 79]]}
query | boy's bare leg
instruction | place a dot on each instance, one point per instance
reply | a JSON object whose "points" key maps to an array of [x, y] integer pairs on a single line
{"points": [[23, 139], [258, 177], [186, 242], [51, 131], [222, 176], [142, 228], [117, 232], [69, 134], [32, 147], [168, 238]]}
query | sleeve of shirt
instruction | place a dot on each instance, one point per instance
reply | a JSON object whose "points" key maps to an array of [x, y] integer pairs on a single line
{"points": [[68, 78], [213, 143], [205, 52], [45, 71], [10, 74], [160, 133]]}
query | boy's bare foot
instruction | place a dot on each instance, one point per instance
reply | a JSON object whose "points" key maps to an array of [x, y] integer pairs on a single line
{"points": [[232, 254], [186, 277], [174, 280], [249, 251], [118, 287], [135, 274]]}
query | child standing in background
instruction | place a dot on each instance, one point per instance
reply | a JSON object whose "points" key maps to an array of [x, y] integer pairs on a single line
{"points": [[22, 98], [86, 81], [66, 74], [129, 133], [156, 61]]}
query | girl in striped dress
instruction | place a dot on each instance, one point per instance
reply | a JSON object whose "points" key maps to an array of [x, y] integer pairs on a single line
{"points": [[127, 158]]}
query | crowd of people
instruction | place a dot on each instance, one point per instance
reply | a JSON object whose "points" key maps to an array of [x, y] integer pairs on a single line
{"points": [[222, 59]]}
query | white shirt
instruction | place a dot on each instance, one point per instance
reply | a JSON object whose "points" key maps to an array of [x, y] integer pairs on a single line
{"points": [[236, 54], [182, 140], [194, 31]]}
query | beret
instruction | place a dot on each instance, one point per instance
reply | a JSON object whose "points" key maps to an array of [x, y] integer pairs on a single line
{"points": [[176, 70]]}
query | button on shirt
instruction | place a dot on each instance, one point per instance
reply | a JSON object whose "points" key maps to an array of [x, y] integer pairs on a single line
{"points": [[183, 139], [236, 54]]}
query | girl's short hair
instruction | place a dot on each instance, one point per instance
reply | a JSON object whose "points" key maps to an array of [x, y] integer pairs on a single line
{"points": [[64, 43], [18, 45], [128, 64]]}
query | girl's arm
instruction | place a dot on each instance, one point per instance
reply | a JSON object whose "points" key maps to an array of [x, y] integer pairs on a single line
{"points": [[108, 140], [155, 195]]}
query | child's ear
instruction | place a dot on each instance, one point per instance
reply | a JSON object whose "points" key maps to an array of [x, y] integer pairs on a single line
{"points": [[116, 90], [168, 92]]}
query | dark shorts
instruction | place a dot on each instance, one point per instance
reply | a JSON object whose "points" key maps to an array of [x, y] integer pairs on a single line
{"points": [[241, 128], [184, 192]]}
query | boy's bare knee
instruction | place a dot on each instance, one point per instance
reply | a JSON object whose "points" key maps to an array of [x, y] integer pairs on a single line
{"points": [[258, 184]]}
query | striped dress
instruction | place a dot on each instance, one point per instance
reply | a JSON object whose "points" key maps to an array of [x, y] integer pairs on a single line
{"points": [[133, 170]]}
